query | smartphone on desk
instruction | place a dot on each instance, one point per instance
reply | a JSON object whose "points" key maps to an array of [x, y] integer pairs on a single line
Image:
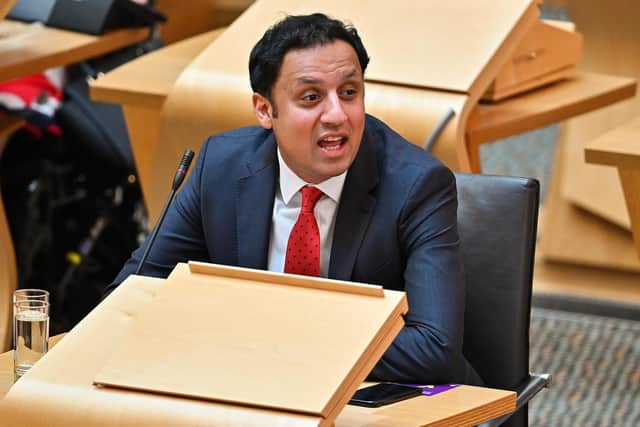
{"points": [[383, 394]]}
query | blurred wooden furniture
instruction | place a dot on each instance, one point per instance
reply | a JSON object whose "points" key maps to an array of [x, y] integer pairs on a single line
{"points": [[228, 11], [26, 49], [191, 112], [621, 148], [5, 7], [586, 221], [412, 91], [554, 103], [8, 277], [186, 20], [548, 53], [8, 273], [141, 86], [29, 48], [62, 384], [197, 17]]}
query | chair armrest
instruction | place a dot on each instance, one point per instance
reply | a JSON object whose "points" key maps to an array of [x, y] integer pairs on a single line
{"points": [[526, 391]]}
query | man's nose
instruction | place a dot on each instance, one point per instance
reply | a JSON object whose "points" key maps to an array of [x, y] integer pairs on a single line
{"points": [[333, 113]]}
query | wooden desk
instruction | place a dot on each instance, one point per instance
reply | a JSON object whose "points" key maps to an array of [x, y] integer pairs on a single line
{"points": [[462, 406], [6, 366], [29, 48], [71, 366], [621, 148]]}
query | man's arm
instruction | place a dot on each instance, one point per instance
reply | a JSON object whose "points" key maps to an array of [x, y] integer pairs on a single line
{"points": [[429, 348]]}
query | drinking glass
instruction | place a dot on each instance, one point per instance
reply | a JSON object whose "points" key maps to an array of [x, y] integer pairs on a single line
{"points": [[31, 333], [26, 294], [35, 294]]}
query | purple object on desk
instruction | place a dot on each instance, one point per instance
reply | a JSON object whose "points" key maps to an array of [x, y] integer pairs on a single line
{"points": [[431, 390]]}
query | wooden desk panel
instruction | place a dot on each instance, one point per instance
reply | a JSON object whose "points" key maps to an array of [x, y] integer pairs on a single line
{"points": [[621, 148], [148, 80], [574, 235], [76, 402], [6, 366], [545, 106], [29, 48]]}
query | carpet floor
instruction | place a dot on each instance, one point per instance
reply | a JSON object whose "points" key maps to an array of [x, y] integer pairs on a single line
{"points": [[595, 363]]}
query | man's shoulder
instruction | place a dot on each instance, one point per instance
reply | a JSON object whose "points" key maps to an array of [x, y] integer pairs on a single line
{"points": [[397, 154], [236, 142], [246, 135]]}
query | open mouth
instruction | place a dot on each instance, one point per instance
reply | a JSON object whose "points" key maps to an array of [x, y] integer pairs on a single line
{"points": [[332, 143]]}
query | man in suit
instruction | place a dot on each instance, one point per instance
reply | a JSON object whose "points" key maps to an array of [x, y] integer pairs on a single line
{"points": [[321, 179]]}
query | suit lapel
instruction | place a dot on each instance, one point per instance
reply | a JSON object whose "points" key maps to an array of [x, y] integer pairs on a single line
{"points": [[354, 212], [255, 195]]}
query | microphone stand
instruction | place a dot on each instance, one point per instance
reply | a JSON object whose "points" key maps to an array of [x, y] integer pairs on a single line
{"points": [[177, 181]]}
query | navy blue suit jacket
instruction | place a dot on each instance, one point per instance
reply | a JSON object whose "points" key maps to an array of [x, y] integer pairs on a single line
{"points": [[395, 226]]}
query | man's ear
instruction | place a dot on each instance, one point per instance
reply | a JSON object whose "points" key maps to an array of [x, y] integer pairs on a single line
{"points": [[263, 110]]}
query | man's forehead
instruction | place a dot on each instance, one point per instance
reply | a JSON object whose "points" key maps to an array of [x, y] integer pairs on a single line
{"points": [[309, 65], [304, 78]]}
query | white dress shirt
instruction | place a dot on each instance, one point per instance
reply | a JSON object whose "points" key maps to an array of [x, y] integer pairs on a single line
{"points": [[286, 209]]}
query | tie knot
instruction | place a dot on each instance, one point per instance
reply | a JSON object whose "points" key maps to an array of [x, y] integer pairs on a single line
{"points": [[310, 196]]}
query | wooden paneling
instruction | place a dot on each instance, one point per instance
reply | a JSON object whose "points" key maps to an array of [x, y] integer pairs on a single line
{"points": [[611, 35], [186, 19], [607, 285], [142, 86], [588, 199], [574, 235]]}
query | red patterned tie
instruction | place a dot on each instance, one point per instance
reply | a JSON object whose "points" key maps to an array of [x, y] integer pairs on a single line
{"points": [[303, 249]]}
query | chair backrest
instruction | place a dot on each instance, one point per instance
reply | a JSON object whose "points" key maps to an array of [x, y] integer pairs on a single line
{"points": [[497, 219]]}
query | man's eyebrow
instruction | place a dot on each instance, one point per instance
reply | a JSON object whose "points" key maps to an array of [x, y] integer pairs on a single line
{"points": [[349, 74], [307, 80]]}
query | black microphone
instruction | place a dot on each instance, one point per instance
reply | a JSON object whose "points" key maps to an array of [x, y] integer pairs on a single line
{"points": [[183, 167]]}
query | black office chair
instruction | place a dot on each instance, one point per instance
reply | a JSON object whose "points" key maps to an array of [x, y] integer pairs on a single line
{"points": [[497, 217]]}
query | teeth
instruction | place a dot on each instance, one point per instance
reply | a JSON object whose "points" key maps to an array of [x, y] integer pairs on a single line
{"points": [[331, 147], [333, 138]]}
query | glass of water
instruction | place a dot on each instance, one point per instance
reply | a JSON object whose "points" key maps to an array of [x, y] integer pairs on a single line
{"points": [[26, 294], [31, 333]]}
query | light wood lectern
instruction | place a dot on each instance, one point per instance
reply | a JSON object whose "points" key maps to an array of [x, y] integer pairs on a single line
{"points": [[213, 346], [253, 338]]}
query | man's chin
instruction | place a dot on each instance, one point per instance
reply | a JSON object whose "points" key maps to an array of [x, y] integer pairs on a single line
{"points": [[330, 172]]}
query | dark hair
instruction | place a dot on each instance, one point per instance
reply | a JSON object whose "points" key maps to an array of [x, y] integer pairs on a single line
{"points": [[297, 32]]}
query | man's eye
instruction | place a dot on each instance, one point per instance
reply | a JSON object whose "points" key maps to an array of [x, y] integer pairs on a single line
{"points": [[349, 92], [310, 97]]}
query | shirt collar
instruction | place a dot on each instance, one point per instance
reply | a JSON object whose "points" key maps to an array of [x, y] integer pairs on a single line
{"points": [[290, 183]]}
